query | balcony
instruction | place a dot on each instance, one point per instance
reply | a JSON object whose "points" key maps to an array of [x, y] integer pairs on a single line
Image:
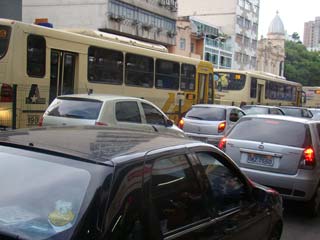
{"points": [[217, 43]]}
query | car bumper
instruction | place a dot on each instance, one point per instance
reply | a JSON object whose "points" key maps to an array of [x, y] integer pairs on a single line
{"points": [[299, 187], [211, 139]]}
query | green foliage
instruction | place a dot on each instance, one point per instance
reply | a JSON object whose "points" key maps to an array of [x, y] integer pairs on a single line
{"points": [[301, 65]]}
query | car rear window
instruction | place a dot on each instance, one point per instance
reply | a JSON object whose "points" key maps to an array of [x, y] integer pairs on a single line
{"points": [[207, 113], [75, 108], [272, 131], [255, 110], [296, 112]]}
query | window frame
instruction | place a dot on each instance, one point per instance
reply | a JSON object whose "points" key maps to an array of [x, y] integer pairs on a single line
{"points": [[44, 57], [157, 73], [127, 122]]}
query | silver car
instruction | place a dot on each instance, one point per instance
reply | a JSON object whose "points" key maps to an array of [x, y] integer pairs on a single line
{"points": [[281, 152], [208, 122]]}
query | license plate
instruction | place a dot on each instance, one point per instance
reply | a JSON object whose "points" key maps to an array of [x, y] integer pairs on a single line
{"points": [[260, 159]]}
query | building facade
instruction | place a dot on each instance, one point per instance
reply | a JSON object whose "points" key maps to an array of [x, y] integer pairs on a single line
{"points": [[147, 20], [271, 50], [11, 9], [198, 39], [311, 35], [237, 18]]}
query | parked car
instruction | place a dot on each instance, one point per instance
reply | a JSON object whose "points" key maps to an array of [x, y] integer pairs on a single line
{"points": [[297, 111], [281, 152], [107, 110], [208, 122], [90, 182], [261, 109]]}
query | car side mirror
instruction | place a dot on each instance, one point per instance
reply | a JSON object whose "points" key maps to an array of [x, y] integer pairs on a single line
{"points": [[169, 123]]}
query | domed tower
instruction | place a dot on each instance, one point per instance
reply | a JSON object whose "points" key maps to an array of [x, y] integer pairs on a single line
{"points": [[271, 52]]}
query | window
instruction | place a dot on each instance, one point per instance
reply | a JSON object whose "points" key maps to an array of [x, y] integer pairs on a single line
{"points": [[246, 42], [167, 74], [229, 81], [239, 38], [227, 190], [210, 90], [128, 111], [255, 27], [254, 44], [105, 66], [253, 88], [247, 5], [182, 43], [36, 56], [240, 20], [280, 91], [275, 111], [139, 70], [207, 113], [253, 62], [4, 40], [192, 47], [176, 195], [247, 24], [153, 116], [246, 59], [188, 77]]}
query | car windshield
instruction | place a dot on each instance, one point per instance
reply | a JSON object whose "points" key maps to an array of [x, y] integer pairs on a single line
{"points": [[271, 131], [40, 199], [207, 113], [75, 108], [255, 110]]}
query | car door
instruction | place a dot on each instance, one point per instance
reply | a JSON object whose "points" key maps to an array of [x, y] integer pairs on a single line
{"points": [[237, 215], [128, 115]]}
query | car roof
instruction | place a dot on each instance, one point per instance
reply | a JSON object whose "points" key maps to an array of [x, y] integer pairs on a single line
{"points": [[262, 106], [101, 97], [281, 117], [91, 143], [216, 106], [293, 107]]}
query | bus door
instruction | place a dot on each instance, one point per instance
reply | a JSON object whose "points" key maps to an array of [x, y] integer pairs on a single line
{"points": [[62, 73], [202, 88], [261, 90]]}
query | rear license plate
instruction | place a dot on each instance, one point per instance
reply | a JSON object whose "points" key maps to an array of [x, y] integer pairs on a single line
{"points": [[260, 159]]}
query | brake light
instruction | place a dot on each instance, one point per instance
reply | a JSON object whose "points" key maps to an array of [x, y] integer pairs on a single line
{"points": [[101, 124], [6, 93], [40, 123], [222, 143], [308, 159], [181, 124], [221, 127]]}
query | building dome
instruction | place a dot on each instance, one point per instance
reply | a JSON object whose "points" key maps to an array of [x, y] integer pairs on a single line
{"points": [[276, 26]]}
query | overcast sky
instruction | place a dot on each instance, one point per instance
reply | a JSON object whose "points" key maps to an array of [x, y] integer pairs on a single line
{"points": [[292, 12]]}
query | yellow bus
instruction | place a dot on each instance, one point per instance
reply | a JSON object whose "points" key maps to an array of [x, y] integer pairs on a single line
{"points": [[39, 63], [311, 98], [233, 87]]}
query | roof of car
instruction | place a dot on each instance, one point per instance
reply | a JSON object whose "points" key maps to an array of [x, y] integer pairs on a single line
{"points": [[281, 117], [101, 97], [293, 107], [262, 106], [215, 106], [91, 143]]}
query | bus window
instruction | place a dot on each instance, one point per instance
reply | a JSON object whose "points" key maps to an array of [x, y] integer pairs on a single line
{"points": [[253, 88], [167, 74], [230, 81], [105, 66], [139, 70], [4, 40], [36, 56], [210, 90], [188, 77], [202, 87]]}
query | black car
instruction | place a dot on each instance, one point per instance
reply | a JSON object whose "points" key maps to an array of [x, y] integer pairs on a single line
{"points": [[107, 183]]}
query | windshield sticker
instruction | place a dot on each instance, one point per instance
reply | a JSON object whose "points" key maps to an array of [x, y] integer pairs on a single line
{"points": [[12, 215], [62, 216]]}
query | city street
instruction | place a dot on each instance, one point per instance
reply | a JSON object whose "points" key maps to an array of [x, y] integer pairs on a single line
{"points": [[299, 226]]}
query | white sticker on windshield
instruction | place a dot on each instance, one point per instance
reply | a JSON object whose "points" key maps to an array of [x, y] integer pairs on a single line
{"points": [[14, 215]]}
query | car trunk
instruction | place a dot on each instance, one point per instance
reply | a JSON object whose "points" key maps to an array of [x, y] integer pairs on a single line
{"points": [[201, 127], [268, 144]]}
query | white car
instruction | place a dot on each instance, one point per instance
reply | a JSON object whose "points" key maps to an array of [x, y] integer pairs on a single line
{"points": [[108, 110]]}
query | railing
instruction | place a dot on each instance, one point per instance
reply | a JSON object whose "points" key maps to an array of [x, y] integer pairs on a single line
{"points": [[218, 44]]}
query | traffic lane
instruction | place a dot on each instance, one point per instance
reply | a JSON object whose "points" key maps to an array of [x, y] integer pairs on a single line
{"points": [[297, 225]]}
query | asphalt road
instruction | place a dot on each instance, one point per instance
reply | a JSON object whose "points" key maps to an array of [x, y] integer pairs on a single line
{"points": [[298, 226]]}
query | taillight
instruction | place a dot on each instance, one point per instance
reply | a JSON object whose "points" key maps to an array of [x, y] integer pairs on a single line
{"points": [[101, 124], [308, 158], [40, 123], [181, 124], [6, 93], [222, 143], [221, 127]]}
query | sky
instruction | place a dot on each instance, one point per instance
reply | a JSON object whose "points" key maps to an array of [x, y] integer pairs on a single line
{"points": [[294, 14]]}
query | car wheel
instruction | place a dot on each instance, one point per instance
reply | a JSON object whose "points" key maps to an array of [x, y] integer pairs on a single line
{"points": [[276, 231], [313, 204]]}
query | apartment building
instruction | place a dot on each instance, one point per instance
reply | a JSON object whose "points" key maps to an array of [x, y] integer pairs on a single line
{"points": [[311, 36], [148, 20], [238, 19]]}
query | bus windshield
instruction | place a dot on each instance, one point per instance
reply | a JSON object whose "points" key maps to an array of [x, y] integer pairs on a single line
{"points": [[4, 40], [229, 81]]}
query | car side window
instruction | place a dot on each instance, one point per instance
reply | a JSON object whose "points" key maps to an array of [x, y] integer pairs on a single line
{"points": [[226, 190], [275, 111], [176, 195], [128, 111], [306, 113], [153, 116]]}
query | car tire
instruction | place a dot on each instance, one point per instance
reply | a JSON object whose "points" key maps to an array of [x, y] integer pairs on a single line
{"points": [[276, 231], [313, 204]]}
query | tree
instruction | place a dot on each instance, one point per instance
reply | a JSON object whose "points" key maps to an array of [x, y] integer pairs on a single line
{"points": [[296, 37]]}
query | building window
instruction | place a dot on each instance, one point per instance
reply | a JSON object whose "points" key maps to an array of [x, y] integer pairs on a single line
{"points": [[36, 56], [255, 27], [240, 20], [246, 59], [253, 62], [182, 44], [254, 44], [246, 42], [247, 24], [239, 38], [192, 47], [238, 57]]}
